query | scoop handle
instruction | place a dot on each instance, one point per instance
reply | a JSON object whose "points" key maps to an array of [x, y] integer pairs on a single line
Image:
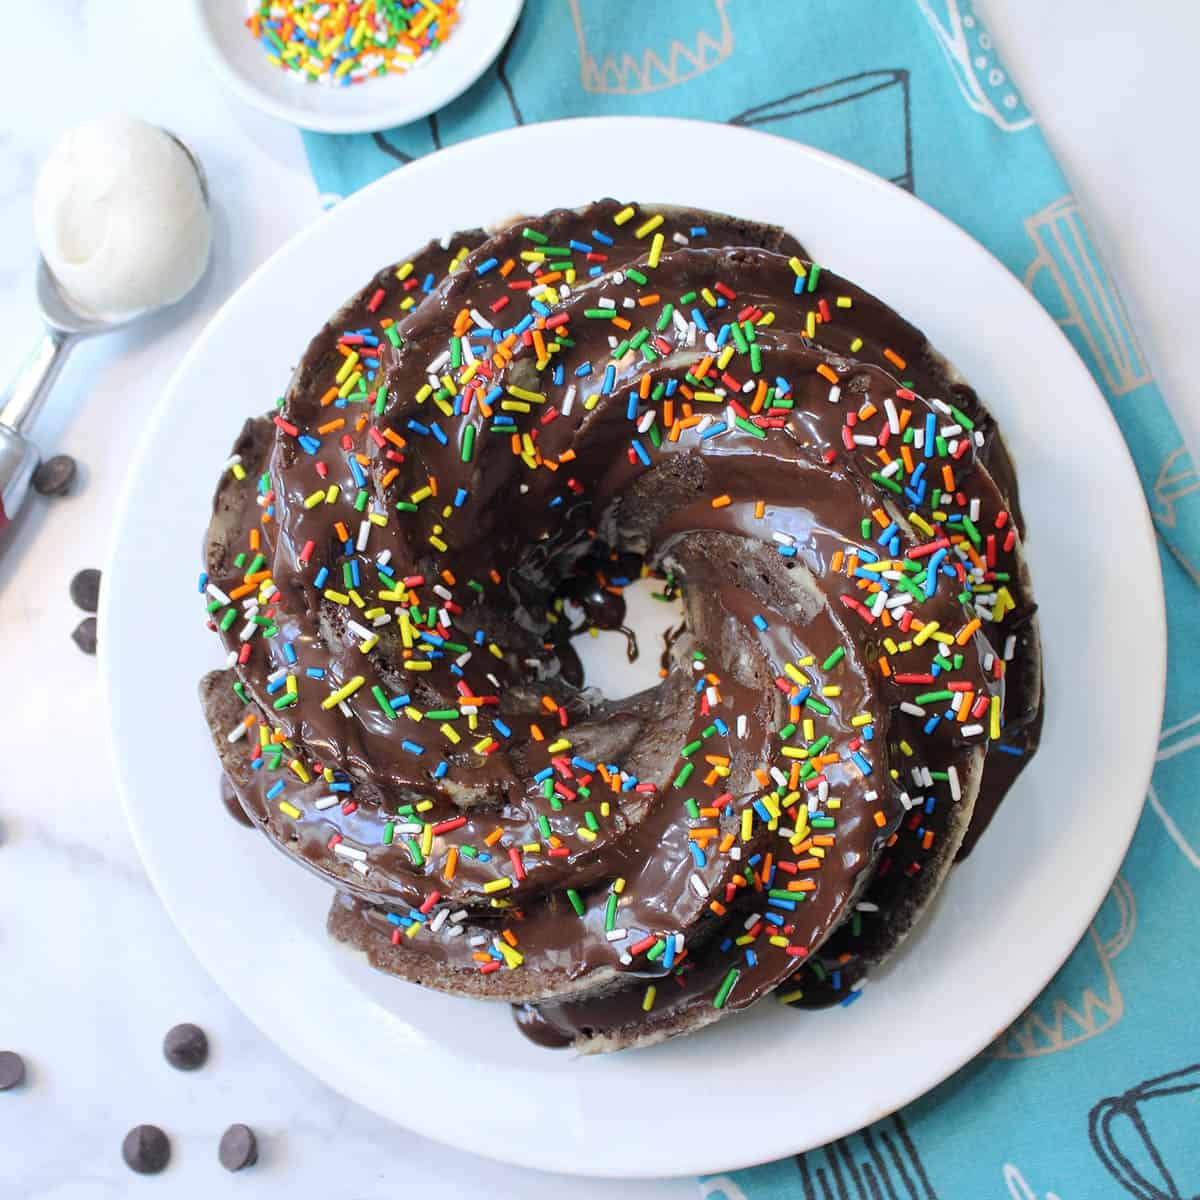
{"points": [[23, 397]]}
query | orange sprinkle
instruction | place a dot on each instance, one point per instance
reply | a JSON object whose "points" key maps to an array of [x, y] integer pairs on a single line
{"points": [[722, 501], [329, 397], [493, 837], [948, 478], [451, 863], [330, 426], [895, 359], [827, 372], [760, 509], [880, 819]]}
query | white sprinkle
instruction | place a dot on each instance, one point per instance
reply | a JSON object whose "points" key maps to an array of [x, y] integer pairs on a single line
{"points": [[625, 959], [680, 321], [865, 439], [247, 631], [779, 777], [438, 363], [913, 710], [698, 886], [439, 919], [835, 394], [481, 320], [906, 800], [276, 676], [477, 939], [568, 401], [455, 931], [877, 605], [679, 239], [629, 302], [951, 431], [893, 417], [616, 935], [783, 538], [710, 694], [232, 461], [358, 630], [383, 557], [973, 510], [350, 852], [444, 592], [458, 916], [940, 405], [735, 852], [364, 532], [646, 420], [742, 725], [892, 467], [867, 906], [237, 733], [606, 302], [710, 342], [360, 867], [751, 921], [326, 802], [218, 595], [971, 730], [231, 659], [955, 786], [1010, 647]]}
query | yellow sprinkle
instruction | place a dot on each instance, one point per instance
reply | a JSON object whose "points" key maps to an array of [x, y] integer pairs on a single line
{"points": [[585, 833], [831, 690], [438, 544], [377, 518], [795, 674], [709, 298], [778, 940], [337, 597], [314, 499], [747, 823], [619, 884], [844, 302], [418, 666], [652, 991], [797, 266], [649, 226], [289, 810], [514, 958], [624, 215], [994, 730], [450, 732], [926, 632], [497, 885], [426, 839], [656, 249], [370, 644], [347, 366], [559, 745], [405, 271], [525, 394], [859, 721], [809, 729], [335, 698], [794, 752], [301, 773], [356, 599], [725, 355], [239, 472], [420, 494], [424, 806], [349, 385]]}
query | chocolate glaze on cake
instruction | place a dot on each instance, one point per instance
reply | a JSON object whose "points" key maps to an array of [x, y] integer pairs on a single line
{"points": [[583, 396]]}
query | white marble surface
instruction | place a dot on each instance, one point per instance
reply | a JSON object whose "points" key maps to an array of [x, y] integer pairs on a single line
{"points": [[93, 972]]}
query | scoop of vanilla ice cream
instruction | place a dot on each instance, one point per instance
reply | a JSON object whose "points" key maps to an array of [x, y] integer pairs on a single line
{"points": [[121, 218]]}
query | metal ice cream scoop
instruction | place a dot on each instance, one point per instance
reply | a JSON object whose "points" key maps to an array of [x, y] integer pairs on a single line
{"points": [[22, 399]]}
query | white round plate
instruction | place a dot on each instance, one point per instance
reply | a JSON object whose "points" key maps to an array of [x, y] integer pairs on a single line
{"points": [[380, 103], [457, 1070]]}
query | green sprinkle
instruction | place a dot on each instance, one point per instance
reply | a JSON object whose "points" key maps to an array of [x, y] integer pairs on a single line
{"points": [[726, 987], [383, 702], [576, 901], [835, 658], [684, 775], [689, 749], [610, 912], [415, 850], [533, 235], [388, 830]]}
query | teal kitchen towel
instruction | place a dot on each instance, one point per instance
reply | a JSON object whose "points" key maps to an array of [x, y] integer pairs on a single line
{"points": [[1095, 1091]]}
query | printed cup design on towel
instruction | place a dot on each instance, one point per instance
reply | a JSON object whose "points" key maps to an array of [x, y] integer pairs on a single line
{"points": [[1018, 1189], [1085, 998], [972, 58], [879, 107], [1146, 1137], [881, 1160], [656, 50], [1176, 480], [1172, 792], [1070, 281]]}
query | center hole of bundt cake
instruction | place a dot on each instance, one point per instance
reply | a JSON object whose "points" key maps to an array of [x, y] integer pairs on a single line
{"points": [[626, 654]]}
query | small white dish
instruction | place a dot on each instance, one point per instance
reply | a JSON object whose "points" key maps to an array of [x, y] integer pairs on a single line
{"points": [[457, 1070], [380, 103]]}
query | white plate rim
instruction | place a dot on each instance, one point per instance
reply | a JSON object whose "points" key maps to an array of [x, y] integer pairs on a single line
{"points": [[1106, 857], [502, 16]]}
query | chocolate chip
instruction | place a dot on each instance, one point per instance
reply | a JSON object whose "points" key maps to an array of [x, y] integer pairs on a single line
{"points": [[85, 589], [185, 1047], [146, 1149], [85, 635], [12, 1070], [55, 476], [239, 1148]]}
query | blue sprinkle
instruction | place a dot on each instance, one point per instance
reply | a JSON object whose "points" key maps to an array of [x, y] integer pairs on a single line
{"points": [[439, 433], [779, 902], [440, 770], [698, 856], [932, 724], [412, 747], [801, 695], [503, 729], [275, 685], [523, 324], [487, 265], [583, 369], [289, 652], [751, 957], [321, 576], [760, 624], [713, 430], [356, 471], [722, 336], [582, 247], [543, 774], [315, 672], [311, 444], [672, 386], [698, 231], [417, 427], [610, 374], [582, 763], [1009, 749], [863, 765], [556, 375], [542, 310], [722, 728], [203, 581], [851, 997], [641, 453], [930, 434], [631, 407], [275, 789], [698, 317], [668, 958], [602, 238], [787, 551]]}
